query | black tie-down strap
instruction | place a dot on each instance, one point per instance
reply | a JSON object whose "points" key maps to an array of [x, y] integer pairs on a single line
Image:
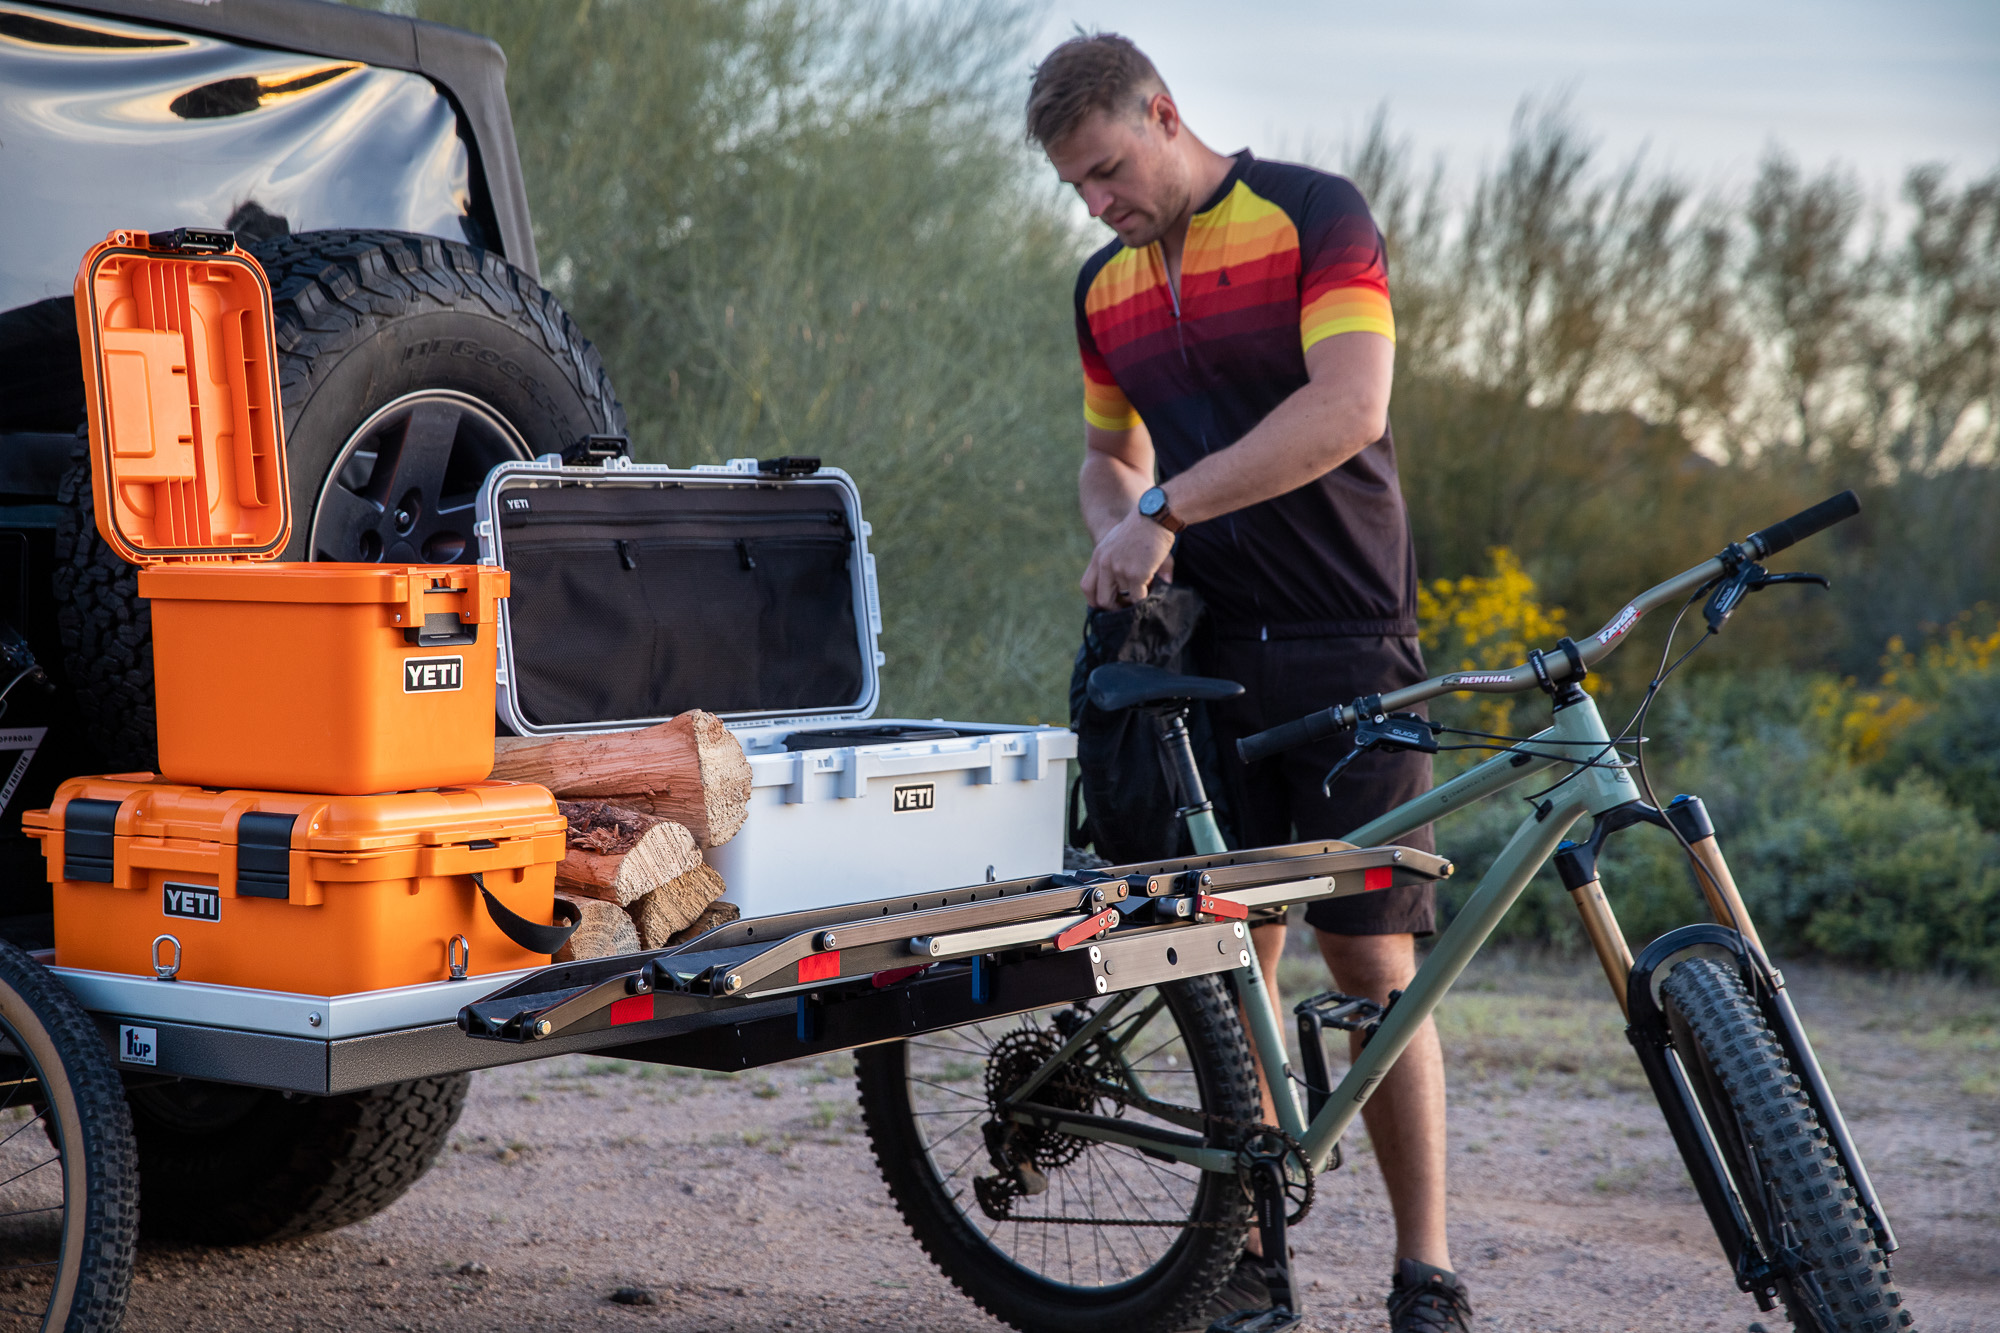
{"points": [[530, 935]]}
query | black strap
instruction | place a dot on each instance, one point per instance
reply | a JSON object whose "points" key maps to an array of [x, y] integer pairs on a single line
{"points": [[528, 934]]}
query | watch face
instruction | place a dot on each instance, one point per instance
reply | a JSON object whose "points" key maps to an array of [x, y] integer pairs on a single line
{"points": [[1152, 502]]}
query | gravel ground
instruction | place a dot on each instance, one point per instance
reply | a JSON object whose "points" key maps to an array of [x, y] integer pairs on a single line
{"points": [[748, 1202]]}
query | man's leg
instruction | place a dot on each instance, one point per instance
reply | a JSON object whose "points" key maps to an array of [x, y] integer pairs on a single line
{"points": [[1405, 1117]]}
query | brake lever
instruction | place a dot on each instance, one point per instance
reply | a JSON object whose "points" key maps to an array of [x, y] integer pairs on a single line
{"points": [[1388, 731], [1747, 578]]}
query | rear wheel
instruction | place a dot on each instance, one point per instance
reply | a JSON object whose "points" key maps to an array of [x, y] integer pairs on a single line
{"points": [[1114, 1239], [225, 1165], [68, 1184], [1792, 1185]]}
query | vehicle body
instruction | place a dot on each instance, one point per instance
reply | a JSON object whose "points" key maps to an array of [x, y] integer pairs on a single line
{"points": [[318, 133]]}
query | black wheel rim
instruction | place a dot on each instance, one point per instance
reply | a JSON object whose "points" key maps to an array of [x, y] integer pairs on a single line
{"points": [[34, 1210], [401, 489]]}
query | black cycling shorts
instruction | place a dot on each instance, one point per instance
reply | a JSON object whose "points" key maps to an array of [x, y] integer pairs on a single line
{"points": [[1278, 800]]}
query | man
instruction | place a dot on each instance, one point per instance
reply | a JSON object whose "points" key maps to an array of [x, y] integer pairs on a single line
{"points": [[1237, 338]]}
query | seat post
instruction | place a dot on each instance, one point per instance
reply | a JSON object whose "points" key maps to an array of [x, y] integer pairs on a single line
{"points": [[1198, 812]]}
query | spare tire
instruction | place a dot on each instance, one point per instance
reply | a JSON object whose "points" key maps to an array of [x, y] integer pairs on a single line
{"points": [[409, 366], [224, 1165]]}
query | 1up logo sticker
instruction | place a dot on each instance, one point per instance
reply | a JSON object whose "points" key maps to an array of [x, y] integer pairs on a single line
{"points": [[424, 674], [138, 1046]]}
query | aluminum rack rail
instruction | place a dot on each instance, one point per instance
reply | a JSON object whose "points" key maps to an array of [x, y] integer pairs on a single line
{"points": [[1076, 935]]}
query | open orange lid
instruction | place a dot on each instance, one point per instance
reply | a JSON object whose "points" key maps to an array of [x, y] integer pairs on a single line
{"points": [[180, 372]]}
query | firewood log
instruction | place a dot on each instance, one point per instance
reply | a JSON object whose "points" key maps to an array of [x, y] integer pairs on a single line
{"points": [[604, 930], [717, 913], [619, 854], [675, 906], [690, 770]]}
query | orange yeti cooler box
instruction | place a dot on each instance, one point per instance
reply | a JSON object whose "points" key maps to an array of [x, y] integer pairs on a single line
{"points": [[322, 895], [274, 676]]}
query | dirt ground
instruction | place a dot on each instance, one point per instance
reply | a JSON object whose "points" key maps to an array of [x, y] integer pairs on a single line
{"points": [[749, 1202]]}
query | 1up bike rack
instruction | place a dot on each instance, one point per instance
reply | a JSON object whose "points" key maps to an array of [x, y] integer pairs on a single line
{"points": [[776, 988]]}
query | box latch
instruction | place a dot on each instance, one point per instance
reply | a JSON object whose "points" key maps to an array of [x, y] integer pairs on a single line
{"points": [[264, 855], [90, 841]]}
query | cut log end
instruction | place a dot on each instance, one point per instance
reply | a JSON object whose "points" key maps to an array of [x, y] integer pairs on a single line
{"points": [[691, 770], [714, 916], [620, 854], [674, 907], [604, 930]]}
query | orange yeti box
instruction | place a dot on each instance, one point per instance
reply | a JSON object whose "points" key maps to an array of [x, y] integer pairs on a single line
{"points": [[326, 678], [322, 895]]}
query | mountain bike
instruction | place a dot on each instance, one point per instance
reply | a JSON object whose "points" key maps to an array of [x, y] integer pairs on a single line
{"points": [[1099, 1164]]}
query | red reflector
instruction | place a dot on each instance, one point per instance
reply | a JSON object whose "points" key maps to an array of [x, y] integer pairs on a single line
{"points": [[632, 1009], [1377, 877], [820, 966]]}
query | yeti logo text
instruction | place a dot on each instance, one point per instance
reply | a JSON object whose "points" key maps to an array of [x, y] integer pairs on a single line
{"points": [[138, 1046], [918, 796], [191, 902], [422, 674]]}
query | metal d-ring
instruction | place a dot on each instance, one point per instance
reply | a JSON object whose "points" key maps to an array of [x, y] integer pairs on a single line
{"points": [[166, 971], [457, 956]]}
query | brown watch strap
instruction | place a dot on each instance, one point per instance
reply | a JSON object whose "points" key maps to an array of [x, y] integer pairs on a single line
{"points": [[1166, 517]]}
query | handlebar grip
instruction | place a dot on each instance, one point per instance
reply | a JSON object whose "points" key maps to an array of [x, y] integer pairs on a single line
{"points": [[1299, 731], [1769, 541]]}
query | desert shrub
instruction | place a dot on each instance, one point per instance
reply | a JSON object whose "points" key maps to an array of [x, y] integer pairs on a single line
{"points": [[1957, 745], [1898, 878]]}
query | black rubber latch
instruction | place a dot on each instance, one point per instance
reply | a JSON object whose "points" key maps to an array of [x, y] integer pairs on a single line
{"points": [[442, 629], [596, 449], [788, 465], [193, 240], [264, 855], [89, 840], [533, 937]]}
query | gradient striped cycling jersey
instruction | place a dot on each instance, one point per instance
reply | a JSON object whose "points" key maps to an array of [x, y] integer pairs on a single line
{"points": [[1280, 257]]}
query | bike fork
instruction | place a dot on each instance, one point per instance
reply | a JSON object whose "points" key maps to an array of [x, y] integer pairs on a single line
{"points": [[1631, 983]]}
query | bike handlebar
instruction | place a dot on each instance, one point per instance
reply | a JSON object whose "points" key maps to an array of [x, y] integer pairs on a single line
{"points": [[1771, 540], [1764, 542]]}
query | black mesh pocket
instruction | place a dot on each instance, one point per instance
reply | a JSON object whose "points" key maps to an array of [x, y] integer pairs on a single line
{"points": [[618, 614]]}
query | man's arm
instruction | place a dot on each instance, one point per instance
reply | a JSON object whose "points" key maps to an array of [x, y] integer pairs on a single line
{"points": [[1117, 470], [1341, 410]]}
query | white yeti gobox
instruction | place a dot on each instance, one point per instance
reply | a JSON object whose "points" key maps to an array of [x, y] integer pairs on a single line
{"points": [[640, 592]]}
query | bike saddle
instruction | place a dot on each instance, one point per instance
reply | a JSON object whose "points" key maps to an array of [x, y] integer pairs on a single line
{"points": [[1119, 685]]}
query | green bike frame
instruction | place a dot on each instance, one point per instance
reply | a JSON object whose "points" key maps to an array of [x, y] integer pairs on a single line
{"points": [[1593, 780]]}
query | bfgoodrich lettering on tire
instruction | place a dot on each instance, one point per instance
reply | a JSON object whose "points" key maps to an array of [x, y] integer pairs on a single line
{"points": [[408, 366]]}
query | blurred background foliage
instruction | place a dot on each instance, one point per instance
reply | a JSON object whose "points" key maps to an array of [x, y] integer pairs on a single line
{"points": [[803, 226]]}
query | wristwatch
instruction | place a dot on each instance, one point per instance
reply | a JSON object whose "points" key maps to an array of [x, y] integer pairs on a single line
{"points": [[1153, 504]]}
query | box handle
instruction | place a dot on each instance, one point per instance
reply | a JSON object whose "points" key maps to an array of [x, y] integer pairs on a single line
{"points": [[529, 935]]}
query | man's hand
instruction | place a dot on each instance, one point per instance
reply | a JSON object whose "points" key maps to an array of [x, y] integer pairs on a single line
{"points": [[1125, 563]]}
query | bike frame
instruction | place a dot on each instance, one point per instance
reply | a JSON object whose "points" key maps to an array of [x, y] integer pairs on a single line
{"points": [[1594, 780]]}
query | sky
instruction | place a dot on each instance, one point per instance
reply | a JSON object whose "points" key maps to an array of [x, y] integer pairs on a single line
{"points": [[1703, 87]]}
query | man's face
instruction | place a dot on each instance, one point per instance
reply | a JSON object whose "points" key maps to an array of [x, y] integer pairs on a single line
{"points": [[1127, 171]]}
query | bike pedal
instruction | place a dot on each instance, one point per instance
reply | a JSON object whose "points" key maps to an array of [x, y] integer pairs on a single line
{"points": [[1350, 1013], [1274, 1320]]}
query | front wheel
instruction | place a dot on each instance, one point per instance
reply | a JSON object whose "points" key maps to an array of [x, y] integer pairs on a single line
{"points": [[69, 1198], [1793, 1188], [1052, 1232]]}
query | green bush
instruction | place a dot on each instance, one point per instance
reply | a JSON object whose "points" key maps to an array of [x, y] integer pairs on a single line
{"points": [[1899, 878], [1957, 745]]}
